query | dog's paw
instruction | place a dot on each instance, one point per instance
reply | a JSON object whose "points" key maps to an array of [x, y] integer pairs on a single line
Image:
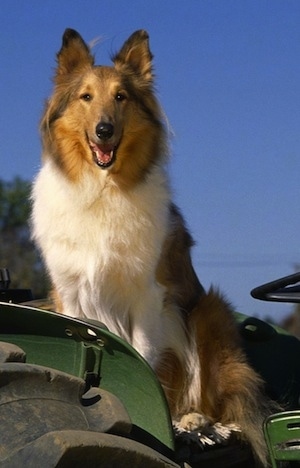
{"points": [[224, 431], [196, 428], [193, 422]]}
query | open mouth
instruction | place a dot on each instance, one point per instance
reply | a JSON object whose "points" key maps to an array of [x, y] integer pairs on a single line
{"points": [[104, 155]]}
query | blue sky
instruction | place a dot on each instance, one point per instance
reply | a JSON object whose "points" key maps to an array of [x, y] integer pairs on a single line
{"points": [[228, 77]]}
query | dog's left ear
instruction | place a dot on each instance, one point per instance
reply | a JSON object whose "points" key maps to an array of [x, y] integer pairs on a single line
{"points": [[74, 53], [136, 54]]}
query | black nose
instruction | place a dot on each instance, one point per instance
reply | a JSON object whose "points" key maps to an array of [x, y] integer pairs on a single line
{"points": [[104, 130]]}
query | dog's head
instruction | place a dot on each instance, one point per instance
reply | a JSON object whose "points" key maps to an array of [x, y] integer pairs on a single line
{"points": [[103, 116]]}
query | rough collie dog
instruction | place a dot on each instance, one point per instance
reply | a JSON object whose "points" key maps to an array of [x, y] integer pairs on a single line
{"points": [[117, 248]]}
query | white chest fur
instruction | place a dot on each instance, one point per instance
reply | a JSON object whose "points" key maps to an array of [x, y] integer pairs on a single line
{"points": [[101, 247]]}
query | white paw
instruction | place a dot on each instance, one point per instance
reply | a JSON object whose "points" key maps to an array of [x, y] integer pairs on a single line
{"points": [[224, 431], [196, 428], [192, 421]]}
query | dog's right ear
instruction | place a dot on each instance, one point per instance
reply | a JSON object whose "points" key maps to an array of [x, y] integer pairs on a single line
{"points": [[74, 53], [136, 54]]}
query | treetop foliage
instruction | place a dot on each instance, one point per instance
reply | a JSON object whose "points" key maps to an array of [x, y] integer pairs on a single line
{"points": [[17, 251]]}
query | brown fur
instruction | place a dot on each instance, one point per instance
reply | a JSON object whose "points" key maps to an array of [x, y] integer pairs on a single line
{"points": [[230, 389], [66, 138], [232, 392]]}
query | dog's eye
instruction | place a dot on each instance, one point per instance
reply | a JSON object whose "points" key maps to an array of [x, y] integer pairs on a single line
{"points": [[86, 97], [120, 97]]}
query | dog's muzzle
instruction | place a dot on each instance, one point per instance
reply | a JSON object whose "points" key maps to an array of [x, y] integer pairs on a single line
{"points": [[104, 149]]}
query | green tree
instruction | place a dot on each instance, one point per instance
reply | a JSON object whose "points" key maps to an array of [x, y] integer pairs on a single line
{"points": [[17, 251]]}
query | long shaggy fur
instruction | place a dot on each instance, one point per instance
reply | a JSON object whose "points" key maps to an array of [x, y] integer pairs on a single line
{"points": [[117, 248]]}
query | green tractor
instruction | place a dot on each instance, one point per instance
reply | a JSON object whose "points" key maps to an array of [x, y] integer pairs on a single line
{"points": [[75, 395]]}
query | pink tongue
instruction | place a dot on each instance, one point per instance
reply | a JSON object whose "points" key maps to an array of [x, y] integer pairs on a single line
{"points": [[102, 156]]}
